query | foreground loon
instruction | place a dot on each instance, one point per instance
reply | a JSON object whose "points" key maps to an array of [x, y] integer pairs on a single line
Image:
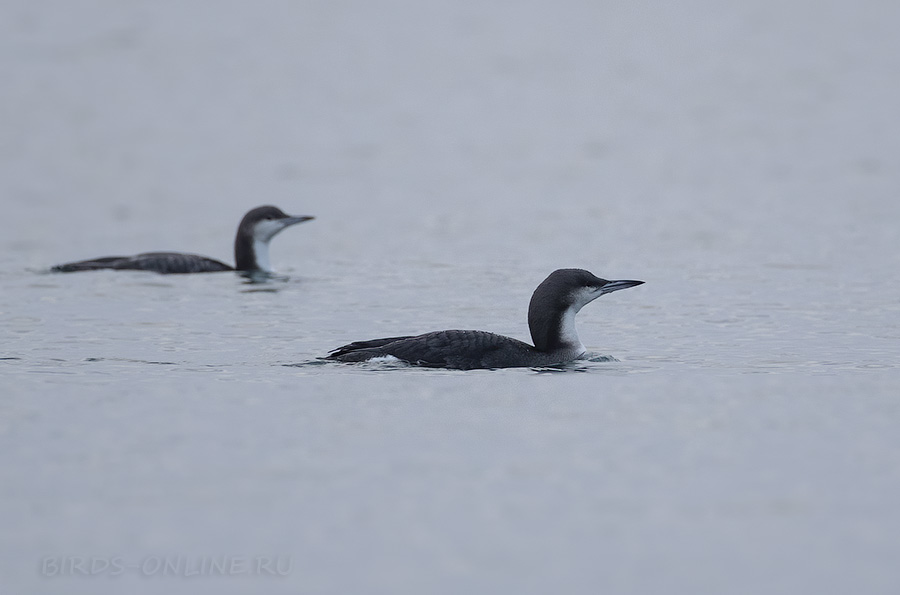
{"points": [[551, 319], [251, 250]]}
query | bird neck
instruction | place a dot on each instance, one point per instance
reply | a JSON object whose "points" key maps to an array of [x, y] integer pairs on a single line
{"points": [[554, 330], [251, 254]]}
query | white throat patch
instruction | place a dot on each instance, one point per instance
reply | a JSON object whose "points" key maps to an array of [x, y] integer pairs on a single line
{"points": [[263, 232], [261, 250], [567, 331], [580, 298]]}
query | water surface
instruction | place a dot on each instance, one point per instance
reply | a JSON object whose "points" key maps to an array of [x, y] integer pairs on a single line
{"points": [[736, 433]]}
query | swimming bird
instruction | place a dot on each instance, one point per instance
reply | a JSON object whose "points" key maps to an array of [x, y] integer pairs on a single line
{"points": [[551, 319], [251, 250]]}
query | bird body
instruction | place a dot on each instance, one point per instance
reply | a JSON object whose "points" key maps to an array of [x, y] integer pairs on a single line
{"points": [[551, 319], [251, 250]]}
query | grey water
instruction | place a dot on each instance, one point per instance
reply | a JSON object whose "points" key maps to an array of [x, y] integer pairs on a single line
{"points": [[734, 432]]}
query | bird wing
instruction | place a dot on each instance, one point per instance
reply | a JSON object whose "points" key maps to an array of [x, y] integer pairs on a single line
{"points": [[172, 263], [460, 349], [343, 350], [159, 262]]}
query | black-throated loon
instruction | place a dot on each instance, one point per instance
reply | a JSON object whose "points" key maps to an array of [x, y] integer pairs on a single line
{"points": [[551, 319], [251, 250]]}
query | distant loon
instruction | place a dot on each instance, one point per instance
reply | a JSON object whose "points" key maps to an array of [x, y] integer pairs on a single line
{"points": [[551, 319], [251, 250]]}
